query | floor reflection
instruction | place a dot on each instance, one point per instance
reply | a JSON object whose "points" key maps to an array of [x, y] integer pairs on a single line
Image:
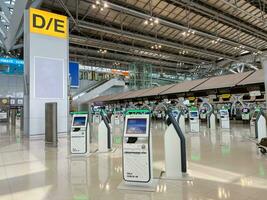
{"points": [[223, 164]]}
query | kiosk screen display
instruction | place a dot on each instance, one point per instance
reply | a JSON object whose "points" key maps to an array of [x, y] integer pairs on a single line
{"points": [[79, 121], [136, 126], [193, 114], [245, 110]]}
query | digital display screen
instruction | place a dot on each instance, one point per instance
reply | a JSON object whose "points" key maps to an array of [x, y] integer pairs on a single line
{"points": [[245, 110], [224, 112], [193, 114], [136, 126], [79, 121]]}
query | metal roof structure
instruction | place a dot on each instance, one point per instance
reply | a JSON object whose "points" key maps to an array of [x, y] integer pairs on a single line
{"points": [[157, 90], [184, 86], [256, 77], [225, 81], [197, 37], [191, 34]]}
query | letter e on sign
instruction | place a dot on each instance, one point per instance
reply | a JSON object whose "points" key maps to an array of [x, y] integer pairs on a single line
{"points": [[46, 23]]}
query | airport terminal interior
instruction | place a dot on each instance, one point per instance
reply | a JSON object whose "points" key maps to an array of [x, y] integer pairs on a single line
{"points": [[133, 99]]}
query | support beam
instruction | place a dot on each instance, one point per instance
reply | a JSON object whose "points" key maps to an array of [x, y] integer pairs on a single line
{"points": [[34, 4], [91, 58], [3, 29], [168, 23], [206, 10], [5, 10], [124, 57], [264, 23], [15, 22], [83, 41], [143, 38], [2, 40]]}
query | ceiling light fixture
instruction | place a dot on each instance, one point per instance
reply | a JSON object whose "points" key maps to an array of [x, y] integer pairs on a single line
{"points": [[102, 51], [188, 33], [151, 21], [117, 63], [156, 46], [100, 4], [218, 40], [183, 52]]}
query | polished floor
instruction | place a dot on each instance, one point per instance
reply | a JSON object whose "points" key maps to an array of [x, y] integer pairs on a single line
{"points": [[224, 165]]}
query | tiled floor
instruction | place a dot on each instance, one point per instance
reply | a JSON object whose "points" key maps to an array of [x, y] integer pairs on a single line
{"points": [[224, 165]]}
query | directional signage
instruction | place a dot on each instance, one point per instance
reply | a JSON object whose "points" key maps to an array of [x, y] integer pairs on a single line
{"points": [[46, 23]]}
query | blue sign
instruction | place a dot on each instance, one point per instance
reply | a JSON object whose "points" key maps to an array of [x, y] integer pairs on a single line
{"points": [[74, 74], [11, 66]]}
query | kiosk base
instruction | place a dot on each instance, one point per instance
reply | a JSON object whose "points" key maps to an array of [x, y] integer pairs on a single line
{"points": [[180, 177], [79, 155], [139, 187]]}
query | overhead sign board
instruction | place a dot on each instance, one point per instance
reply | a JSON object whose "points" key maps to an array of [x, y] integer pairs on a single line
{"points": [[191, 98], [46, 23], [255, 93], [74, 74], [226, 96]]}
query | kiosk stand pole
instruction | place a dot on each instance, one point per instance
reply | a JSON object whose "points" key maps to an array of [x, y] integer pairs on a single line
{"points": [[104, 135], [175, 151]]}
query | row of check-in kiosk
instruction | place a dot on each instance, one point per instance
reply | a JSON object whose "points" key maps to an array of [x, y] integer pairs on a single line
{"points": [[136, 146], [137, 154]]}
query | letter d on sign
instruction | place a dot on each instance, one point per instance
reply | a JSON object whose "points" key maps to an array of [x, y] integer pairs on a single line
{"points": [[38, 21]]}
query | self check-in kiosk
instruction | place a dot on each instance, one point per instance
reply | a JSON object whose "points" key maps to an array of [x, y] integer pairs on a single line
{"points": [[258, 125], [194, 120], [117, 118], [245, 114], [211, 120], [97, 118], [175, 149], [104, 134], [224, 119], [203, 113], [79, 141], [137, 153]]}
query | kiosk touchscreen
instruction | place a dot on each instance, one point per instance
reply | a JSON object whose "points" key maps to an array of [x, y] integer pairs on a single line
{"points": [[224, 119], [137, 155], [79, 134], [194, 121]]}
